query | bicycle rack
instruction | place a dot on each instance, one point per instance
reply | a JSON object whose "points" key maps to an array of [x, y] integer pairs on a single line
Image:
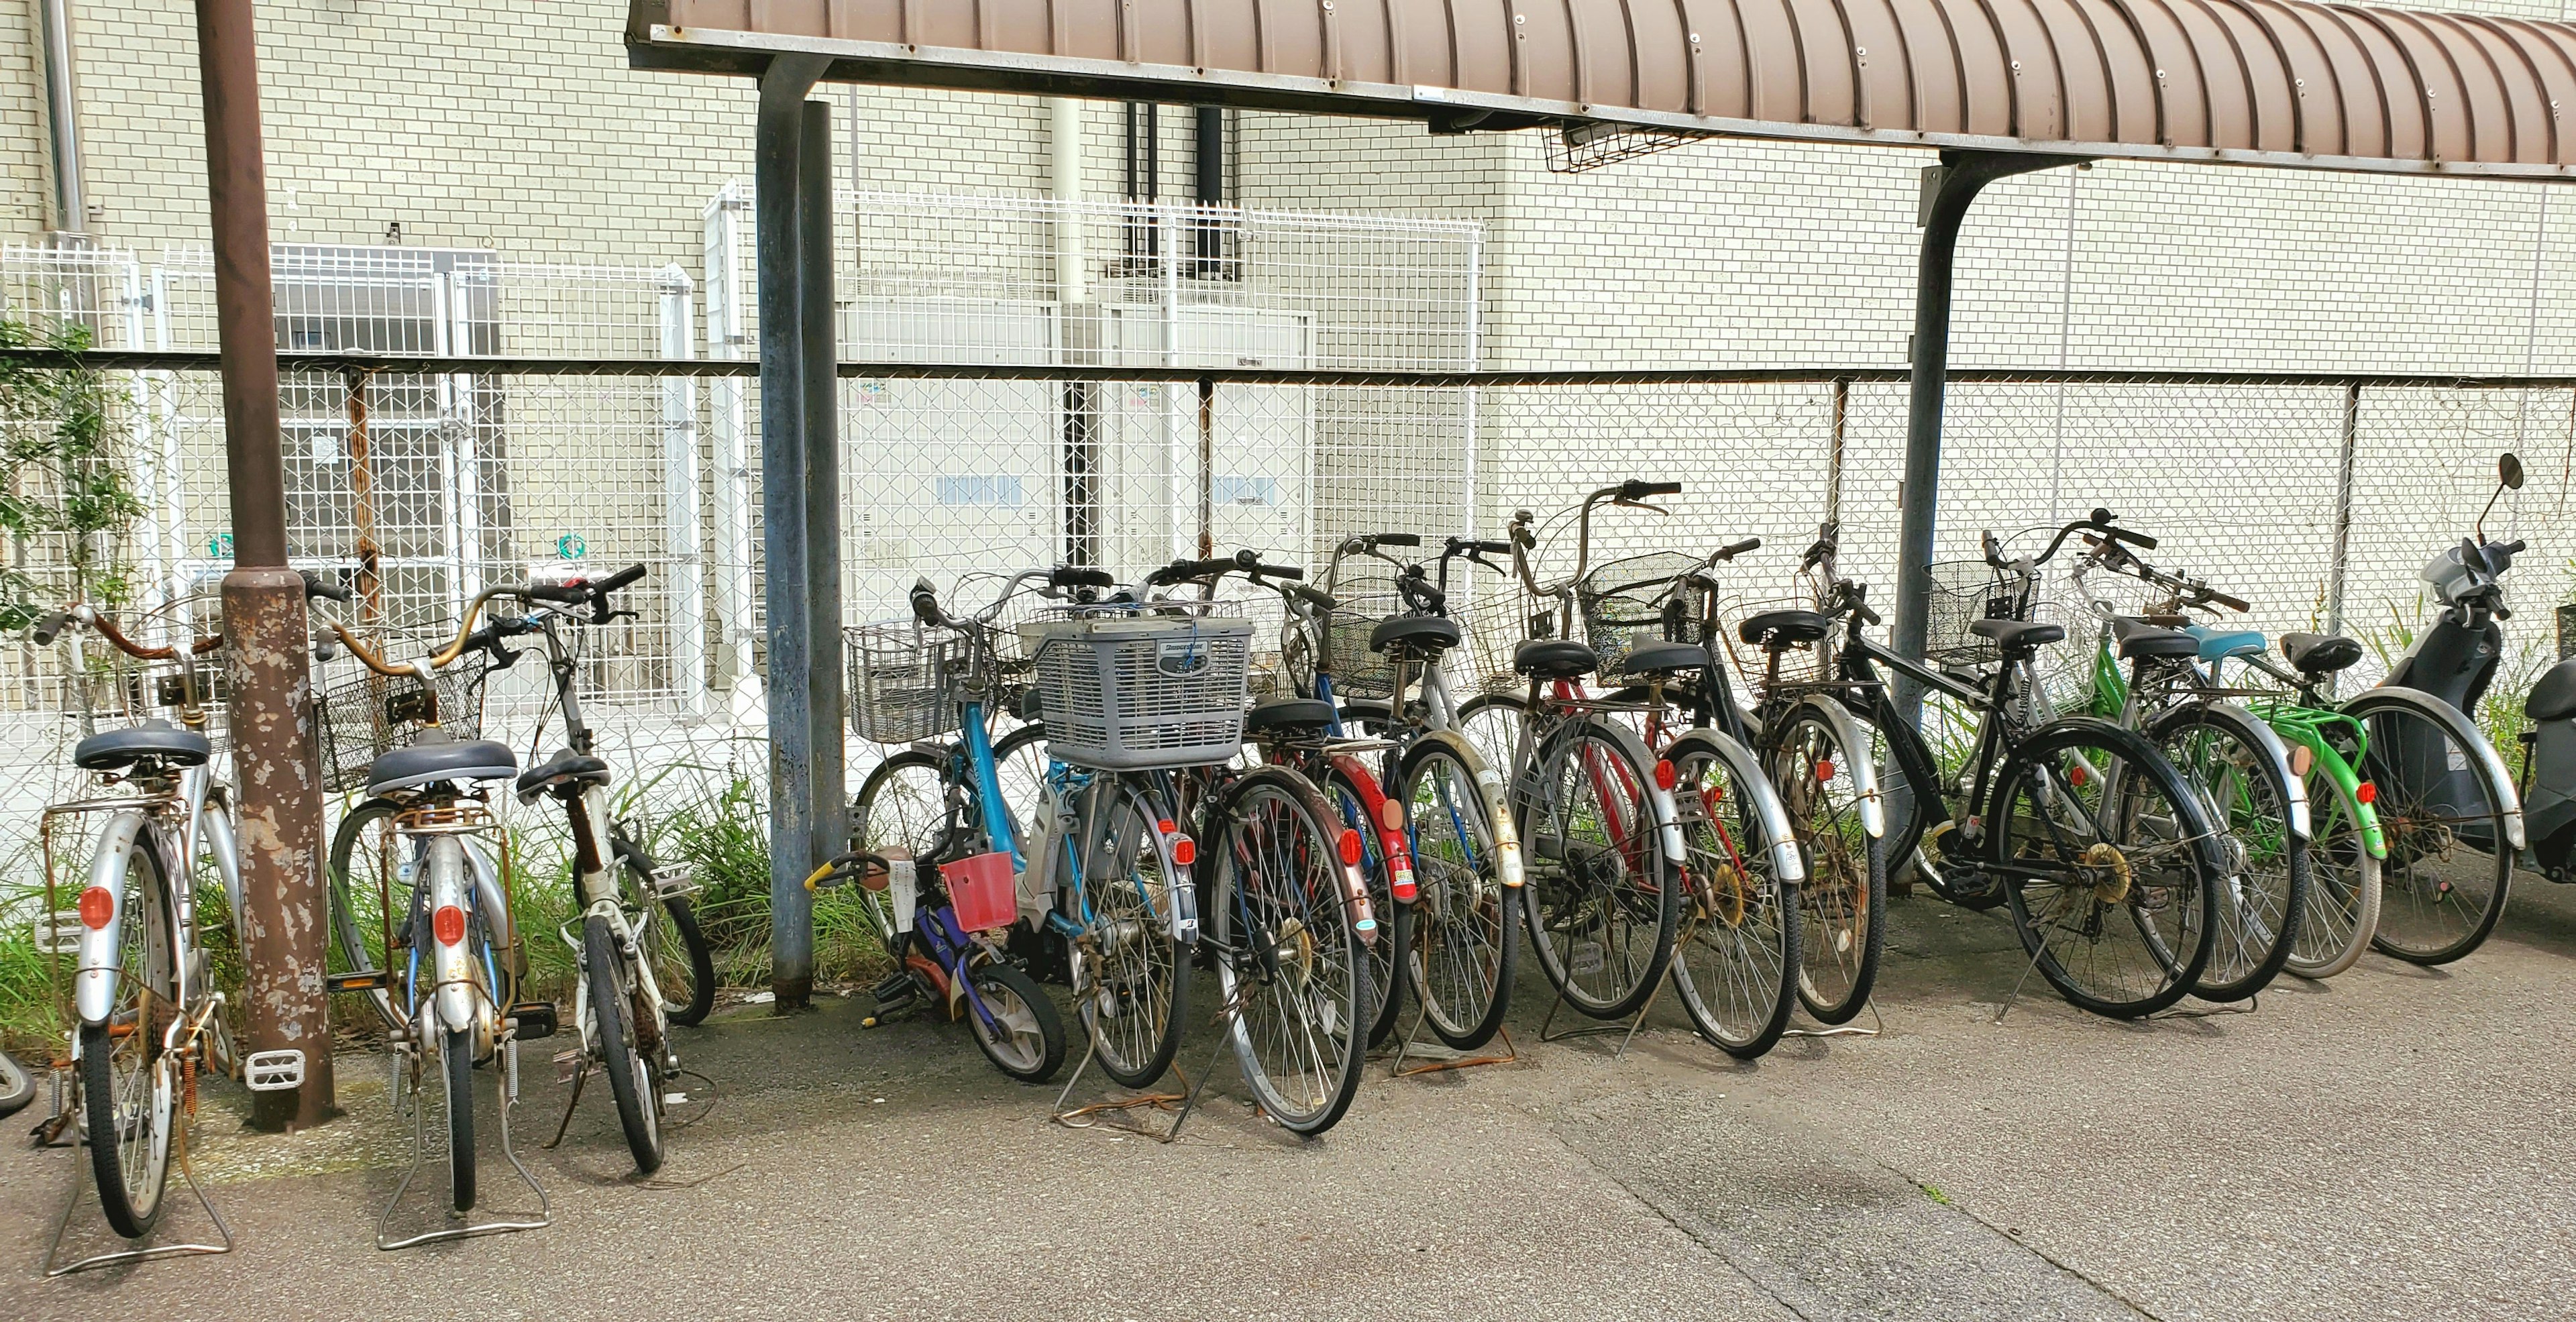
{"points": [[1628, 1033], [406, 1057], [1440, 1057], [187, 1171], [1227, 1020]]}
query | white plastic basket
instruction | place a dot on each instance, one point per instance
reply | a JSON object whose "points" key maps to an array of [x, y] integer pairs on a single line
{"points": [[1121, 691]]}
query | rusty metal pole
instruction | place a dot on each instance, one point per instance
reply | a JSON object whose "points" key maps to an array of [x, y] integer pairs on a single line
{"points": [[271, 712], [362, 505]]}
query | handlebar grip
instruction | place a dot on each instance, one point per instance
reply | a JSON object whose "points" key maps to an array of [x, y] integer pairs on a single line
{"points": [[315, 586], [617, 580], [1748, 544], [1077, 576], [2238, 604], [1275, 571], [1181, 571], [569, 594], [50, 627], [1636, 488], [2137, 539], [925, 601], [2516, 546], [1399, 539], [1862, 610], [1316, 597]]}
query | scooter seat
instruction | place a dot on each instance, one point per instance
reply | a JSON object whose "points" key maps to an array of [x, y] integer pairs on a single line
{"points": [[2554, 697], [2319, 654], [2226, 644]]}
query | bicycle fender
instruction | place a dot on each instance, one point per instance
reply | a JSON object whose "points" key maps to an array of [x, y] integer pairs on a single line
{"points": [[1749, 777], [1873, 807], [2269, 743], [1390, 836], [451, 966], [1490, 788], [2467, 732], [100, 963]]}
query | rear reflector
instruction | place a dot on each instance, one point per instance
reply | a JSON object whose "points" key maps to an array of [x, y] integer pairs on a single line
{"points": [[1665, 776], [1390, 814], [1351, 849], [448, 924], [1824, 768], [1185, 851], [97, 908], [2367, 792]]}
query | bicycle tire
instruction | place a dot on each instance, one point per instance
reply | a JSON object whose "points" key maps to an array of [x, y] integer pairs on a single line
{"points": [[1811, 752], [17, 1085], [1490, 723], [1735, 958], [1394, 935], [1133, 978], [353, 896], [2170, 846], [2343, 885], [632, 1078], [2422, 919], [132, 1170], [1283, 921], [1620, 889], [911, 786], [1018, 1004], [456, 1070], [679, 947], [1902, 757], [2244, 778], [1465, 924]]}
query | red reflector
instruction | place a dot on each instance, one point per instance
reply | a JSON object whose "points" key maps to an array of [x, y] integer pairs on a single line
{"points": [[1825, 768], [1665, 776], [448, 924], [1351, 851], [97, 908], [1167, 826], [2078, 774], [1185, 851], [2366, 792]]}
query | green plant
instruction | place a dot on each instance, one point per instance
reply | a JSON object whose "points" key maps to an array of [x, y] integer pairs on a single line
{"points": [[66, 476]]}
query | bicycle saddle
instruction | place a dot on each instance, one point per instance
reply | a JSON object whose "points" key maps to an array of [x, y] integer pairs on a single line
{"points": [[1780, 629], [156, 739], [564, 768], [2554, 697], [1661, 658], [2139, 640], [2221, 644], [1289, 715], [2318, 653], [437, 759], [1422, 633], [2018, 635], [1553, 658]]}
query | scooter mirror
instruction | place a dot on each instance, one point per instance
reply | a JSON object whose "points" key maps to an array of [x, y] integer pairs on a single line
{"points": [[2509, 470]]}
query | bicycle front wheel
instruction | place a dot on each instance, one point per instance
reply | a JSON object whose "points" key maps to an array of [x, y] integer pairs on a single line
{"points": [[2443, 811], [1465, 920], [901, 811], [626, 1046], [2243, 777], [128, 1083], [1129, 985], [1289, 959], [1604, 901], [2106, 859], [373, 870], [1842, 921], [1735, 960], [2343, 883]]}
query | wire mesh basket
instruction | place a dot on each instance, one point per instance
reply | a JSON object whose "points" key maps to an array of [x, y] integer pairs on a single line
{"points": [[1128, 690], [365, 716], [1753, 663], [1359, 608], [1964, 592], [1496, 620], [1639, 599], [906, 680]]}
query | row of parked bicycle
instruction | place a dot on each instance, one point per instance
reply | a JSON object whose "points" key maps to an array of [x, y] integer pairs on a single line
{"points": [[1359, 795]]}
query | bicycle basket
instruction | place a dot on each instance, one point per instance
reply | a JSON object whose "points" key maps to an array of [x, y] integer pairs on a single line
{"points": [[1964, 592], [1359, 609], [366, 716], [906, 680], [1752, 663], [1123, 690], [1637, 600]]}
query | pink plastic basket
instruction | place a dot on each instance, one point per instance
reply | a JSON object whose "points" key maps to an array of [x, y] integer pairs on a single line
{"points": [[980, 893]]}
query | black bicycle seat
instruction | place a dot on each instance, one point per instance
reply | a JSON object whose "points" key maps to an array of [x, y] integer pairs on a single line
{"points": [[1289, 716], [438, 760], [564, 768], [2138, 639], [2018, 635], [1419, 633], [155, 739], [1554, 658], [2319, 653], [1661, 658], [1780, 629]]}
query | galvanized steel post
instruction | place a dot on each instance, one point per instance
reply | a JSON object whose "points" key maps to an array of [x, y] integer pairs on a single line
{"points": [[778, 160], [830, 831], [271, 712]]}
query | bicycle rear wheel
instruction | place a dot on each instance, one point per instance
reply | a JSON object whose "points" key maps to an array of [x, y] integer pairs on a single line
{"points": [[128, 1083], [456, 1074], [2105, 856], [1394, 918], [1842, 923], [1605, 899], [2243, 777], [2443, 811], [1465, 920], [1289, 959], [2343, 884], [626, 1045], [1735, 959], [372, 872], [901, 810], [17, 1085], [1130, 985]]}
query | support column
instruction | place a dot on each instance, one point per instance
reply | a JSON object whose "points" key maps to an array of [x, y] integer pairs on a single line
{"points": [[778, 158], [825, 712], [271, 714], [1949, 188]]}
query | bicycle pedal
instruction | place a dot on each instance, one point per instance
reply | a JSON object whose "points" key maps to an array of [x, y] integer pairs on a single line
{"points": [[273, 1071], [536, 1019], [895, 988]]}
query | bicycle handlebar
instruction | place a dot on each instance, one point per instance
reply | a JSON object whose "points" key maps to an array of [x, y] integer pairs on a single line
{"points": [[1729, 553], [1077, 576], [1638, 489]]}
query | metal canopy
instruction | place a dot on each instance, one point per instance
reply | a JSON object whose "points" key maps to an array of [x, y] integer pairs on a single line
{"points": [[2258, 82]]}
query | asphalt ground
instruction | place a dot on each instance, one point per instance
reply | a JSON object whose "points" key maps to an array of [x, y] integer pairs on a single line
{"points": [[2391, 1144]]}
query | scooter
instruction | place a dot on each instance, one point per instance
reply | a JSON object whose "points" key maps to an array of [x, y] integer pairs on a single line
{"points": [[2548, 781]]}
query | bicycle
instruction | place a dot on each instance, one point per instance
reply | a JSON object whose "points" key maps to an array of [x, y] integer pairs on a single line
{"points": [[1460, 930], [2242, 770], [1593, 808], [148, 1017], [2103, 852], [941, 804]]}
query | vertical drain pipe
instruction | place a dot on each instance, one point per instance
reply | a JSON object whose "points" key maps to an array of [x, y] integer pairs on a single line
{"points": [[62, 120], [1078, 337]]}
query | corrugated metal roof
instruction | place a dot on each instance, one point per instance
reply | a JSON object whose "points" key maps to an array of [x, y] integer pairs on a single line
{"points": [[2269, 82]]}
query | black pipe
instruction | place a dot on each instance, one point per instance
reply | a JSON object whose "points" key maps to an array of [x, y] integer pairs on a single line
{"points": [[1208, 150], [829, 820]]}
